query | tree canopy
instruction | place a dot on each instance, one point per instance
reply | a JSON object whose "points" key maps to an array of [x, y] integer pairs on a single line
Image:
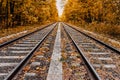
{"points": [[88, 11], [22, 12]]}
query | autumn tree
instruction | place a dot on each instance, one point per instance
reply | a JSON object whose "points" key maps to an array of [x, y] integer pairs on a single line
{"points": [[100, 16], [92, 10], [24, 12]]}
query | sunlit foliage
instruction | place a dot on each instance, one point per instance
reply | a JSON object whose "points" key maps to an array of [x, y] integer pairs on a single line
{"points": [[24, 12], [96, 15], [93, 10]]}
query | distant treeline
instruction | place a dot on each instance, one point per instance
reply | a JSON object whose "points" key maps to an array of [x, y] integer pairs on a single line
{"points": [[23, 12]]}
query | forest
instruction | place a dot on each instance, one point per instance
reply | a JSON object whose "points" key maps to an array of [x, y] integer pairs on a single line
{"points": [[101, 16], [24, 12]]}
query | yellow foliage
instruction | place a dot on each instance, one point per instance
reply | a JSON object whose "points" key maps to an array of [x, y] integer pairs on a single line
{"points": [[102, 16], [28, 12]]}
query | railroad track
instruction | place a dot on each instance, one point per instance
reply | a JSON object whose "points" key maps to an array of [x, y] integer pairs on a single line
{"points": [[101, 59], [15, 53], [48, 64], [58, 52], [74, 67], [37, 67]]}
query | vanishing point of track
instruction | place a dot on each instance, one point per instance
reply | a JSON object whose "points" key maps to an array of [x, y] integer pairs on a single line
{"points": [[57, 49]]}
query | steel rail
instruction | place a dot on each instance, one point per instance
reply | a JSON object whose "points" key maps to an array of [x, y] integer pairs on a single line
{"points": [[27, 58], [13, 40], [90, 67], [101, 42]]}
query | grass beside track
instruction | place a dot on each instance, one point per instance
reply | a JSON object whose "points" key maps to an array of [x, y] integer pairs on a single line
{"points": [[18, 29], [111, 39], [106, 30]]}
